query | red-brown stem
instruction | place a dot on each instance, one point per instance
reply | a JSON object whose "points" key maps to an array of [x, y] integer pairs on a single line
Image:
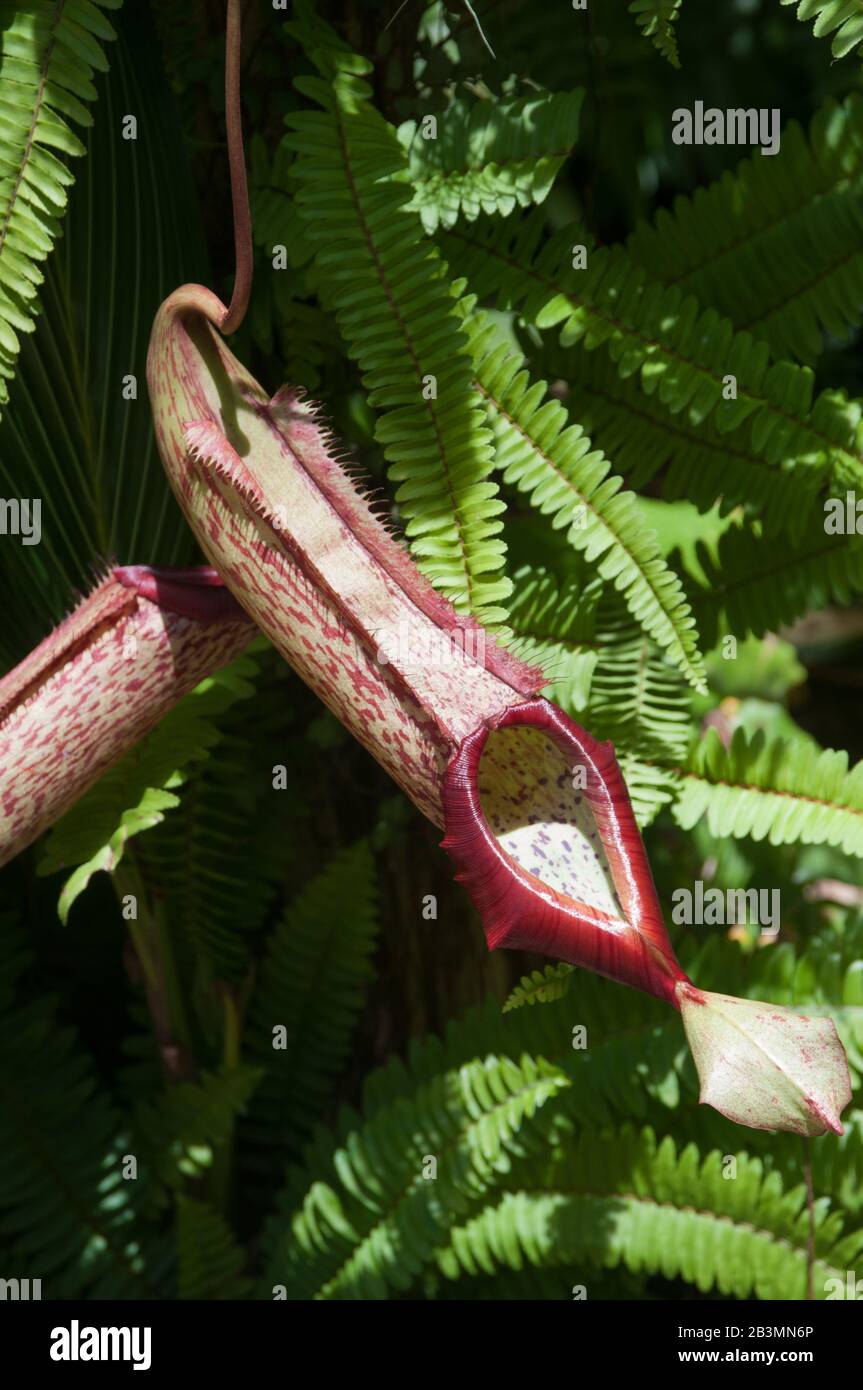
{"points": [[236, 160]]}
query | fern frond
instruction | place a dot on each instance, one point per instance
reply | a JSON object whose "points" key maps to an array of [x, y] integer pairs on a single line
{"points": [[209, 864], [210, 1261], [534, 1284], [553, 626], [397, 1184], [656, 20], [637, 1070], [48, 54], [640, 702], [758, 584], [288, 321], [311, 985], [825, 970], [841, 18], [660, 337], [489, 156], [837, 1168], [180, 1128], [276, 219], [635, 1051], [609, 675], [630, 1198], [775, 789], [540, 987], [394, 307], [551, 460], [68, 1216], [696, 463], [557, 55], [636, 1067], [137, 792], [364, 1212], [71, 438], [775, 245]]}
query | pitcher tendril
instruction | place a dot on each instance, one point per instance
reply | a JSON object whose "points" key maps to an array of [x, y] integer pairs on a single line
{"points": [[237, 163]]}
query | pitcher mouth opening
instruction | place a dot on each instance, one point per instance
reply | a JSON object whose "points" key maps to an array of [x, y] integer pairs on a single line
{"points": [[542, 833]]}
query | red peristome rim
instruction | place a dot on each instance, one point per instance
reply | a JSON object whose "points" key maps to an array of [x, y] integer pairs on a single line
{"points": [[517, 909], [190, 591]]}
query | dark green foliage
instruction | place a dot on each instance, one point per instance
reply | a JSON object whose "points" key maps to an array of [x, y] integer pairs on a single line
{"points": [[758, 582], [210, 1260], [696, 463], [310, 988], [775, 246], [181, 1129], [73, 434], [519, 304], [68, 1214]]}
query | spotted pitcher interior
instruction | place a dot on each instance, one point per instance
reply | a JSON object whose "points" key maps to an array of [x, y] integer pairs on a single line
{"points": [[533, 801]]}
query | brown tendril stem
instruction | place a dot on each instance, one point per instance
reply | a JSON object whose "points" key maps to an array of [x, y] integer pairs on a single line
{"points": [[236, 161]]}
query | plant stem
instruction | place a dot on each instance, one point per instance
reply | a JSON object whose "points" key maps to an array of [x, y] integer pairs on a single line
{"points": [[220, 1181], [239, 187], [810, 1205], [151, 940]]}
